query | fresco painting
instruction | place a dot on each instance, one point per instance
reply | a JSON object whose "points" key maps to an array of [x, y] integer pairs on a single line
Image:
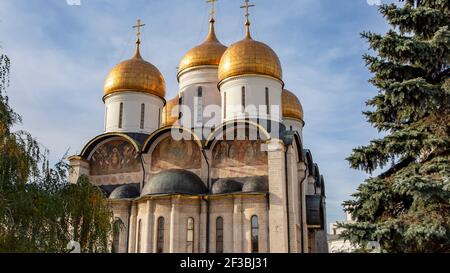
{"points": [[114, 157]]}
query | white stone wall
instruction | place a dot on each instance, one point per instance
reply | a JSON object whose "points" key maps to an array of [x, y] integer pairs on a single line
{"points": [[255, 95], [121, 210], [79, 167], [296, 124], [236, 212], [131, 119], [277, 199], [207, 79]]}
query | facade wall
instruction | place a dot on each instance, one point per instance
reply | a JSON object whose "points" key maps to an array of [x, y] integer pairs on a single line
{"points": [[255, 87], [131, 114], [281, 223], [295, 124], [208, 106], [176, 210]]}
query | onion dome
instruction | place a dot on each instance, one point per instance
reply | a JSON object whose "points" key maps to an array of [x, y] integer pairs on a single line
{"points": [[250, 57], [168, 117], [256, 184], [223, 186], [206, 54], [125, 192], [137, 75], [175, 182], [291, 106]]}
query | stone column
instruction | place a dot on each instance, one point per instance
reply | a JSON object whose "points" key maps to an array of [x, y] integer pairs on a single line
{"points": [[303, 182], [132, 231], [79, 167], [202, 238], [294, 197], [174, 226], [278, 229], [237, 225], [148, 246]]}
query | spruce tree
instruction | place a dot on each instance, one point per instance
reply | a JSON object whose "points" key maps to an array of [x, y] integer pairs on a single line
{"points": [[406, 208]]}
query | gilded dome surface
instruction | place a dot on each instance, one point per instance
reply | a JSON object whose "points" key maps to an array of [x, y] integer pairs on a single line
{"points": [[250, 57], [135, 74], [208, 53], [168, 117], [292, 108]]}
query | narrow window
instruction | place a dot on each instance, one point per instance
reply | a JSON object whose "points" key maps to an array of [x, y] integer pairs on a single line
{"points": [[142, 115], [116, 235], [255, 234], [159, 117], [190, 236], [291, 128], [160, 241], [243, 99], [224, 105], [121, 115], [139, 231], [180, 103], [200, 105], [267, 101], [219, 235]]}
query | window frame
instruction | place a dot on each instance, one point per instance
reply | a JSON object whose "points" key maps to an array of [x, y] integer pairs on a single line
{"points": [[254, 230], [219, 239], [160, 235]]}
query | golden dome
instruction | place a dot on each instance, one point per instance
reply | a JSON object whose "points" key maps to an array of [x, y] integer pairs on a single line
{"points": [[206, 54], [249, 57], [135, 74], [168, 119], [292, 108]]}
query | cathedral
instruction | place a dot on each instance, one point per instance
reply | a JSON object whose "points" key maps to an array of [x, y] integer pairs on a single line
{"points": [[220, 168]]}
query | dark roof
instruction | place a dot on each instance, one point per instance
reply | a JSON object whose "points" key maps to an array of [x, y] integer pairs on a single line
{"points": [[226, 185], [175, 182], [125, 192], [256, 184]]}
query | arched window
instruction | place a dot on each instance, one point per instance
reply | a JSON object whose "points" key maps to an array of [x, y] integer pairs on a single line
{"points": [[121, 115], [117, 226], [142, 115], [160, 239], [267, 101], [139, 237], [219, 235], [190, 236], [255, 234]]}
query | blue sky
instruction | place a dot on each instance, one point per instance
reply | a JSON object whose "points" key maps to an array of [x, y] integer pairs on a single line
{"points": [[61, 55]]}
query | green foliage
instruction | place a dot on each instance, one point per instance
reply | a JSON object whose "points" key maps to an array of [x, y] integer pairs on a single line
{"points": [[39, 210], [407, 208]]}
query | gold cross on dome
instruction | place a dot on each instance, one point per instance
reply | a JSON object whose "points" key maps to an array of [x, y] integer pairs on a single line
{"points": [[213, 9], [138, 26], [247, 8]]}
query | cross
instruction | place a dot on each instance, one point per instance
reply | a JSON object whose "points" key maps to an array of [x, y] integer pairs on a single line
{"points": [[247, 8], [213, 10], [138, 26]]}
